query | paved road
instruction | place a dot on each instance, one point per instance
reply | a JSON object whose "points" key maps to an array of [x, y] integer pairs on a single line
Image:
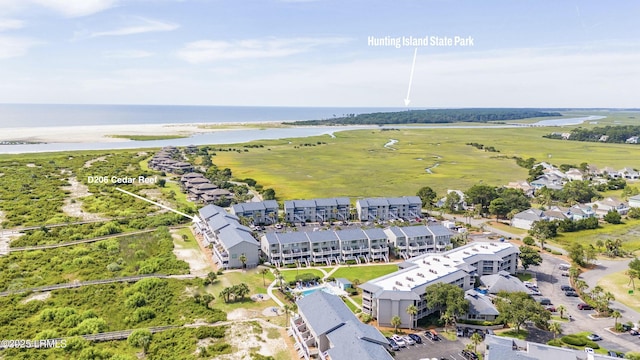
{"points": [[549, 279]]}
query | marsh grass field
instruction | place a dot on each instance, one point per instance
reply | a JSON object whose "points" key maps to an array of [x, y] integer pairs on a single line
{"points": [[357, 163]]}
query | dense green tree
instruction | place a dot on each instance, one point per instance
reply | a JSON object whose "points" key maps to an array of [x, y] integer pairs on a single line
{"points": [[481, 195], [544, 229], [428, 196], [448, 297], [556, 328], [395, 322], [451, 201], [529, 256], [498, 207], [518, 308], [576, 254], [140, 338], [269, 194], [613, 217]]}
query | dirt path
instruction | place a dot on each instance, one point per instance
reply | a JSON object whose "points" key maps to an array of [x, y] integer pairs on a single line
{"points": [[90, 162], [199, 265]]}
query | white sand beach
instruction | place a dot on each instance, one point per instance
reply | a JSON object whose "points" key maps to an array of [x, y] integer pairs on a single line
{"points": [[101, 133]]}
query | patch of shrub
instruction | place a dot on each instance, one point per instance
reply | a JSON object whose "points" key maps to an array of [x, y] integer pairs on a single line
{"points": [[574, 340], [529, 241], [204, 332]]}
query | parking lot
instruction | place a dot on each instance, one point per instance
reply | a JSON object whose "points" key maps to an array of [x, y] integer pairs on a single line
{"points": [[432, 349]]}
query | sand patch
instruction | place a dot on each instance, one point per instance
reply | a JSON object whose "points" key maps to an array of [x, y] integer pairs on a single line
{"points": [[198, 263], [73, 205], [253, 336], [90, 162], [6, 236], [39, 296], [31, 165]]}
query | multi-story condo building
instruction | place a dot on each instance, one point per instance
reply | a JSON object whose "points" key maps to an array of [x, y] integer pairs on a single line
{"points": [[326, 329], [373, 209], [411, 241], [261, 212], [390, 295], [317, 210], [230, 241], [325, 247]]}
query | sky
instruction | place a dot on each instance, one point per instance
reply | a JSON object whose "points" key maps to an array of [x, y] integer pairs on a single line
{"points": [[518, 53]]}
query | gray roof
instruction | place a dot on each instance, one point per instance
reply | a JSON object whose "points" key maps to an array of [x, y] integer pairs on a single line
{"points": [[232, 236], [397, 295], [530, 214], [209, 211], [299, 204], [292, 237], [503, 281], [375, 234], [255, 206], [439, 230], [373, 202], [351, 234], [415, 231], [343, 281], [480, 304], [503, 348], [321, 236], [350, 339], [271, 238], [398, 201], [396, 231]]}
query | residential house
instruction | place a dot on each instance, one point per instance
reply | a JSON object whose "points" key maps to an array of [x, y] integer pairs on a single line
{"points": [[574, 175], [629, 174], [526, 188], [411, 241], [550, 180], [230, 241], [326, 329], [259, 212], [390, 295], [382, 209], [605, 205], [634, 201], [632, 140], [525, 219]]}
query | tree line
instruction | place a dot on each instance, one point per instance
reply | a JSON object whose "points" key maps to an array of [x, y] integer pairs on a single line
{"points": [[431, 116], [607, 134]]}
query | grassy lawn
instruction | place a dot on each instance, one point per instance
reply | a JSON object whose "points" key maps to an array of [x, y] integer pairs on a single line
{"points": [[524, 276], [629, 233], [522, 334], [618, 284], [350, 305], [250, 277], [364, 273], [559, 319], [327, 170], [510, 229], [189, 243], [290, 274]]}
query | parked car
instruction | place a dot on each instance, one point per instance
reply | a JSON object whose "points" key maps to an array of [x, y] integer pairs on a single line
{"points": [[408, 340], [565, 274], [588, 350], [393, 345], [545, 301], [399, 340], [459, 332], [550, 308], [416, 338], [626, 327], [433, 335], [634, 332], [564, 266], [571, 293], [594, 337], [566, 288], [469, 355], [584, 306]]}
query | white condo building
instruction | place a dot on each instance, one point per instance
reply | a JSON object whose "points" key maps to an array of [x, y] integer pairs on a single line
{"points": [[390, 295], [374, 209], [317, 210], [229, 239]]}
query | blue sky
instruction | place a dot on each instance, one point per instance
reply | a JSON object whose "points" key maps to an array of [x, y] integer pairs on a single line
{"points": [[525, 53]]}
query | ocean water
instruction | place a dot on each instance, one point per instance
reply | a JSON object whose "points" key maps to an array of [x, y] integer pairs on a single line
{"points": [[38, 115]]}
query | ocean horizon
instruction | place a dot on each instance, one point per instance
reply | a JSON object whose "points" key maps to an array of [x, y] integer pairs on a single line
{"points": [[44, 115]]}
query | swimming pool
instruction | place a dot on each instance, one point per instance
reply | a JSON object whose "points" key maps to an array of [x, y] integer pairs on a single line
{"points": [[324, 288]]}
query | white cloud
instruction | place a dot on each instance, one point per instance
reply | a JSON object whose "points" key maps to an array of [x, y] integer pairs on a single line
{"points": [[144, 26], [77, 8], [127, 54], [213, 50], [15, 46], [10, 24]]}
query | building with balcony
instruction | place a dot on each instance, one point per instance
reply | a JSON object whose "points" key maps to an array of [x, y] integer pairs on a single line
{"points": [[381, 209], [231, 242], [260, 213], [390, 295], [503, 348], [317, 210], [412, 241], [326, 329], [325, 247]]}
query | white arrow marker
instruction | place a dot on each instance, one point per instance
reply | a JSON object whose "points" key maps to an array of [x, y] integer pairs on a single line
{"points": [[194, 218], [413, 66]]}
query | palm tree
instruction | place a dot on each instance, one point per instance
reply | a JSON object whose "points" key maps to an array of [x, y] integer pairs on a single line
{"points": [[412, 310], [243, 260], [475, 340], [561, 309], [581, 285], [225, 293], [632, 274], [264, 272], [556, 328], [287, 308], [447, 318], [396, 321], [616, 315], [573, 273]]}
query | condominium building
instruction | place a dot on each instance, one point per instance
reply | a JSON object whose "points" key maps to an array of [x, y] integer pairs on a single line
{"points": [[503, 348], [374, 209], [390, 295], [261, 212], [326, 329], [317, 210], [411, 241], [232, 243], [325, 247]]}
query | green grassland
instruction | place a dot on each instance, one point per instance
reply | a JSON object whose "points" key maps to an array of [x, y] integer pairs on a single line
{"points": [[619, 285], [628, 232], [356, 163], [364, 273], [129, 255]]}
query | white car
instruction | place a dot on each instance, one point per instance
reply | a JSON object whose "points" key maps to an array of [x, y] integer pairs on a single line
{"points": [[408, 340], [589, 350], [399, 340]]}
